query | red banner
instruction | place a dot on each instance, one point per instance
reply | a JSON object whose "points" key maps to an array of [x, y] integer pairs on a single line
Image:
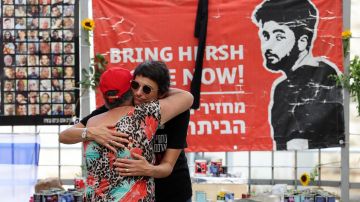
{"points": [[236, 90]]}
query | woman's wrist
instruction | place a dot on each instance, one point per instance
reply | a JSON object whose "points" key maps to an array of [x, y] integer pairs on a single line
{"points": [[151, 170]]}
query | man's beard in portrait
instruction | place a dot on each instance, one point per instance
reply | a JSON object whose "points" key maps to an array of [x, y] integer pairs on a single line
{"points": [[286, 63]]}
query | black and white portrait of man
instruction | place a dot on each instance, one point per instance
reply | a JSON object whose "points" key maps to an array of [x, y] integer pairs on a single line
{"points": [[306, 106]]}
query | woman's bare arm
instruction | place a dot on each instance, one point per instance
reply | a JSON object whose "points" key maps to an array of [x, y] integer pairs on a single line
{"points": [[176, 102]]}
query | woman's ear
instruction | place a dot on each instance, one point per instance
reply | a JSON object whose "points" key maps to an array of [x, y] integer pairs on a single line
{"points": [[303, 42]]}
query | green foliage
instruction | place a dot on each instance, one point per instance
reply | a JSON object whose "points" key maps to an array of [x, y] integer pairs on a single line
{"points": [[351, 81], [91, 75], [314, 174], [346, 46]]}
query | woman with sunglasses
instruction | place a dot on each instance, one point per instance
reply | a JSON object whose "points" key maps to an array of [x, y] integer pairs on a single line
{"points": [[171, 173], [177, 102]]}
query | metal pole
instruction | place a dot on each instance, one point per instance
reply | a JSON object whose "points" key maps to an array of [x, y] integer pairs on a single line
{"points": [[84, 61], [84, 57], [296, 169], [319, 169], [59, 155], [249, 169], [272, 167], [345, 149]]}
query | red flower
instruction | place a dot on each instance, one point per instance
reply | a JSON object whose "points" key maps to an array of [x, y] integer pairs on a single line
{"points": [[137, 192], [79, 183], [103, 186], [135, 151], [151, 125], [90, 180], [111, 156]]}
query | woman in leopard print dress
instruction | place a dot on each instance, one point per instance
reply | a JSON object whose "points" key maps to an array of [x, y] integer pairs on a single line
{"points": [[140, 123]]}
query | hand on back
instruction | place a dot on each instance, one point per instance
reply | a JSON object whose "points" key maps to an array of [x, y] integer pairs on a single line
{"points": [[108, 137]]}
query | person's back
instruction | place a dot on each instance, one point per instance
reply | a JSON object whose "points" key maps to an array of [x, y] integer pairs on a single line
{"points": [[109, 117], [105, 182], [139, 123], [177, 186]]}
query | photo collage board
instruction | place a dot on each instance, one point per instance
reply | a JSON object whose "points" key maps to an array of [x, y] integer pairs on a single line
{"points": [[39, 62]]}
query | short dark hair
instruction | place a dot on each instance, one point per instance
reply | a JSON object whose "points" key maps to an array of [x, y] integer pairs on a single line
{"points": [[299, 15], [113, 103], [156, 71]]}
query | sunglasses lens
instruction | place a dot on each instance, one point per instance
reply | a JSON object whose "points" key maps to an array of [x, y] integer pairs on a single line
{"points": [[135, 85], [146, 89]]}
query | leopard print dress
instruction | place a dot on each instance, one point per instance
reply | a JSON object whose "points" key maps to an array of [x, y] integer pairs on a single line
{"points": [[103, 182]]}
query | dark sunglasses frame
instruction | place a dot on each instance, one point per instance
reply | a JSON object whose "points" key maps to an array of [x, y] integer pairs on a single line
{"points": [[145, 88]]}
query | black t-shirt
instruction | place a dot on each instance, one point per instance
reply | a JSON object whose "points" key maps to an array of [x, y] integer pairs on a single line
{"points": [[308, 105], [97, 111], [177, 186]]}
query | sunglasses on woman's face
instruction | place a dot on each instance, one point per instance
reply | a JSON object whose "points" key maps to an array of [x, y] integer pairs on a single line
{"points": [[145, 88]]}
